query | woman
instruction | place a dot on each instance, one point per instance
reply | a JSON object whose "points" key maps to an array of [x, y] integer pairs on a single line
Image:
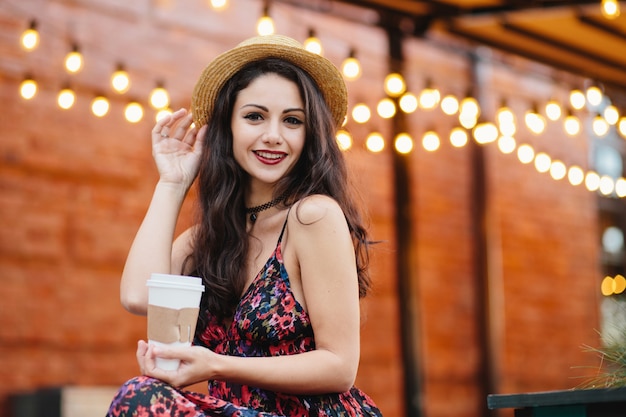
{"points": [[279, 243]]}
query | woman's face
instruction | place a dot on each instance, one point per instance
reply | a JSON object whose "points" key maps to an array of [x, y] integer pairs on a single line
{"points": [[268, 128]]}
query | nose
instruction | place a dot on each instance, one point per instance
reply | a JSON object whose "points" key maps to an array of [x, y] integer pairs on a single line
{"points": [[272, 134]]}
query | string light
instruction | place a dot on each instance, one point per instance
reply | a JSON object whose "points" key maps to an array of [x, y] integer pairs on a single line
{"points": [[403, 143], [542, 162], [162, 113], [375, 142], [599, 126], [571, 124], [28, 88], [594, 95], [218, 4], [607, 185], [611, 114], [575, 175], [592, 181], [553, 110], [430, 141], [394, 85], [577, 99], [386, 108], [534, 121], [621, 126], [74, 60], [351, 67], [485, 133], [344, 140], [429, 97], [100, 106], [265, 24], [313, 44], [558, 170], [66, 98], [133, 112], [408, 103], [506, 120], [361, 113], [450, 105], [610, 9], [120, 80], [506, 144], [30, 37], [159, 98], [525, 154], [458, 137]]}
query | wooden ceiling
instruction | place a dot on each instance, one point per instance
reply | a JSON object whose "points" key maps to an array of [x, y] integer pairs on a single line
{"points": [[571, 35]]}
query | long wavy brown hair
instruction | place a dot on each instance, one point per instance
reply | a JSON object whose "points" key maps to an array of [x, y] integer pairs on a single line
{"points": [[221, 241]]}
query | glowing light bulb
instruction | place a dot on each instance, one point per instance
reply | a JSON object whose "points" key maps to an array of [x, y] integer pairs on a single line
{"points": [[100, 106], [66, 98], [594, 95], [375, 142], [394, 85], [265, 24], [458, 137], [575, 175], [28, 88], [386, 108], [344, 140], [74, 60], [542, 162], [600, 126], [525, 154], [408, 103], [485, 133], [611, 114], [133, 112], [429, 98], [351, 67], [450, 105], [506, 144], [120, 80], [535, 122], [313, 44], [558, 170], [610, 9], [430, 141], [571, 124], [361, 113], [469, 107], [403, 143], [577, 99], [30, 37], [553, 110], [159, 98], [219, 4], [621, 127]]}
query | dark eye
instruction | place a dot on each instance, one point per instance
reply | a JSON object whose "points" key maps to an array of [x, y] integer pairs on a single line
{"points": [[292, 120], [253, 117]]}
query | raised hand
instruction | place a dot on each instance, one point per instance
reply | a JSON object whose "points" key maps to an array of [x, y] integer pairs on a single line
{"points": [[176, 148]]}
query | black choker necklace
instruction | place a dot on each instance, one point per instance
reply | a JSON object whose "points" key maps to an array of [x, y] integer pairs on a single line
{"points": [[253, 211]]}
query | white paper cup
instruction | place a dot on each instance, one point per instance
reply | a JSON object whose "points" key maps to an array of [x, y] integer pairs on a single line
{"points": [[173, 306]]}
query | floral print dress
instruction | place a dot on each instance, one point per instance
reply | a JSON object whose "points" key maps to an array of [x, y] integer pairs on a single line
{"points": [[268, 322]]}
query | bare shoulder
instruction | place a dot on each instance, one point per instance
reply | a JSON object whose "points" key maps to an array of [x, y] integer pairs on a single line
{"points": [[318, 208]]}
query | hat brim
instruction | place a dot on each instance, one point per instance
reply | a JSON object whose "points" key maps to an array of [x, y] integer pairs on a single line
{"points": [[224, 66]]}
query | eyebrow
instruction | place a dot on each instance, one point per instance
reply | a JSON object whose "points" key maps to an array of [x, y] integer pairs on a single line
{"points": [[289, 110]]}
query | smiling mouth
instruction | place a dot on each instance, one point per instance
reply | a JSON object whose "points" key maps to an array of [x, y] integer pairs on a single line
{"points": [[270, 157]]}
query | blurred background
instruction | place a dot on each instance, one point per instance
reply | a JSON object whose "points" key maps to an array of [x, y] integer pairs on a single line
{"points": [[485, 137]]}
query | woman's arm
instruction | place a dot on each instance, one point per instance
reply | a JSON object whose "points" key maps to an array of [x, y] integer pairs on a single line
{"points": [[176, 150], [318, 232]]}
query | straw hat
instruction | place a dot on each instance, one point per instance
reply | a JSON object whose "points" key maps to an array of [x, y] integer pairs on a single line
{"points": [[222, 68]]}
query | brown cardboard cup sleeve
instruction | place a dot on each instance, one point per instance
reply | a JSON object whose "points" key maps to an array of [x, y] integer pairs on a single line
{"points": [[168, 325]]}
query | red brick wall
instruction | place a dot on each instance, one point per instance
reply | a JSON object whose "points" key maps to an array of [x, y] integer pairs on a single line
{"points": [[75, 188]]}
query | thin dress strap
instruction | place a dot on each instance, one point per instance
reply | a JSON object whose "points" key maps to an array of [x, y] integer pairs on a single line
{"points": [[280, 238]]}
